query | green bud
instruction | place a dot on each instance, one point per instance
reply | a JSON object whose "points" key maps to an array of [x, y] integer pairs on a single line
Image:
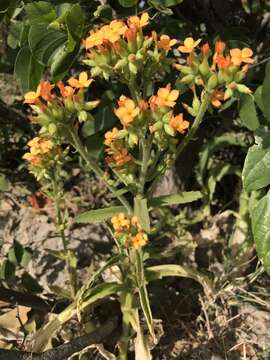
{"points": [[228, 94], [122, 133], [121, 64], [204, 67], [139, 39], [212, 82], [133, 68], [185, 70], [169, 130], [96, 71], [243, 89], [196, 104], [90, 105], [133, 139], [52, 129], [147, 43], [187, 79], [220, 76], [166, 118], [83, 116]]}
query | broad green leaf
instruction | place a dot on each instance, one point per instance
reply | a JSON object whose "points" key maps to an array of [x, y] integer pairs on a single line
{"points": [[15, 253], [128, 3], [142, 212], [15, 33], [44, 42], [28, 70], [104, 12], [104, 119], [7, 269], [75, 24], [62, 61], [40, 12], [174, 199], [258, 98], [4, 183], [99, 215], [248, 114], [261, 230], [266, 92], [42, 337], [256, 171], [158, 272]]}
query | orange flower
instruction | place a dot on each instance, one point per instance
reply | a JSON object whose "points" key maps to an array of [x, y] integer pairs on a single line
{"points": [[121, 157], [83, 81], [217, 97], [31, 97], [179, 124], [239, 56], [45, 90], [120, 222], [166, 96], [39, 145], [139, 240], [220, 47], [66, 91], [33, 159], [223, 62], [189, 45], [95, 39], [127, 110], [114, 30], [166, 42], [205, 49], [139, 22], [143, 105], [110, 136]]}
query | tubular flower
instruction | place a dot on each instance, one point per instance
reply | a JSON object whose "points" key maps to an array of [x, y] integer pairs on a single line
{"points": [[83, 81], [127, 110], [34, 160], [114, 30], [239, 56], [179, 124], [121, 157], [166, 42], [220, 47], [110, 136], [120, 223], [223, 62], [217, 97], [66, 91], [205, 49], [139, 240], [31, 97], [45, 90], [189, 45], [166, 96], [139, 22]]}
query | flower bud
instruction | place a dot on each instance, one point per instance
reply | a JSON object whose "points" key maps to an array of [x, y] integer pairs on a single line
{"points": [[212, 82], [83, 116], [228, 94], [196, 105], [169, 130], [133, 68], [90, 105], [243, 89], [121, 64], [184, 69], [204, 67], [187, 79], [52, 129]]}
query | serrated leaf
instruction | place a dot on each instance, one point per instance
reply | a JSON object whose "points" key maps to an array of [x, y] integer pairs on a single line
{"points": [[266, 91], [142, 212], [175, 199], [256, 171], [27, 69], [260, 220], [248, 114], [99, 215]]}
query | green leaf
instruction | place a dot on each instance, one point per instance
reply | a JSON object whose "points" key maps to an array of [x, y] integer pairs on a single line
{"points": [[62, 61], [260, 220], [15, 253], [28, 70], [266, 91], [95, 146], [258, 98], [104, 12], [158, 272], [167, 3], [30, 284], [75, 25], [4, 183], [174, 199], [128, 3], [15, 34], [142, 213], [40, 12], [104, 119], [4, 5], [248, 114], [7, 269], [99, 215], [44, 42], [256, 171]]}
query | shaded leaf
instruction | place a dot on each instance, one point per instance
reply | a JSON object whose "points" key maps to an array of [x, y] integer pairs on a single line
{"points": [[248, 114], [142, 212], [99, 215], [128, 3], [266, 91], [174, 199]]}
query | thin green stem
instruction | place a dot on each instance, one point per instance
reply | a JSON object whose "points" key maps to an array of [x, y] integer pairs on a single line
{"points": [[96, 169], [196, 124], [144, 167], [126, 300]]}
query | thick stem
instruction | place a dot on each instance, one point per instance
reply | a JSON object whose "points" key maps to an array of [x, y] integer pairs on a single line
{"points": [[196, 123], [96, 169], [61, 228], [126, 300], [145, 160]]}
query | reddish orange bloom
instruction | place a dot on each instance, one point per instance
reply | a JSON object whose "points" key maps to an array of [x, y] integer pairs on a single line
{"points": [[131, 32], [66, 91], [33, 159], [110, 136], [143, 105], [179, 124], [45, 90], [121, 157], [239, 56], [217, 98], [223, 62], [166, 42], [205, 49], [220, 47]]}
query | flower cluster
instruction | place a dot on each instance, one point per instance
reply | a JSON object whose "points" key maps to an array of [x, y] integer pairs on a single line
{"points": [[55, 111], [121, 49], [128, 231], [219, 72]]}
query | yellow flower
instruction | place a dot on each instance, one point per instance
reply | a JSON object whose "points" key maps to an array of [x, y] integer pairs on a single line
{"points": [[166, 42], [110, 136], [114, 30], [217, 97], [95, 39], [166, 96], [127, 110], [33, 159], [239, 56], [82, 82], [120, 222], [66, 91], [139, 22], [31, 97], [189, 45], [139, 240], [179, 124], [40, 145]]}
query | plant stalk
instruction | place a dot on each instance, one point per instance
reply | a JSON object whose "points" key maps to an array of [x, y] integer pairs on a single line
{"points": [[126, 300]]}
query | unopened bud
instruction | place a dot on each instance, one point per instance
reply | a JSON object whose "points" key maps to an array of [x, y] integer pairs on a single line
{"points": [[187, 79], [212, 82]]}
